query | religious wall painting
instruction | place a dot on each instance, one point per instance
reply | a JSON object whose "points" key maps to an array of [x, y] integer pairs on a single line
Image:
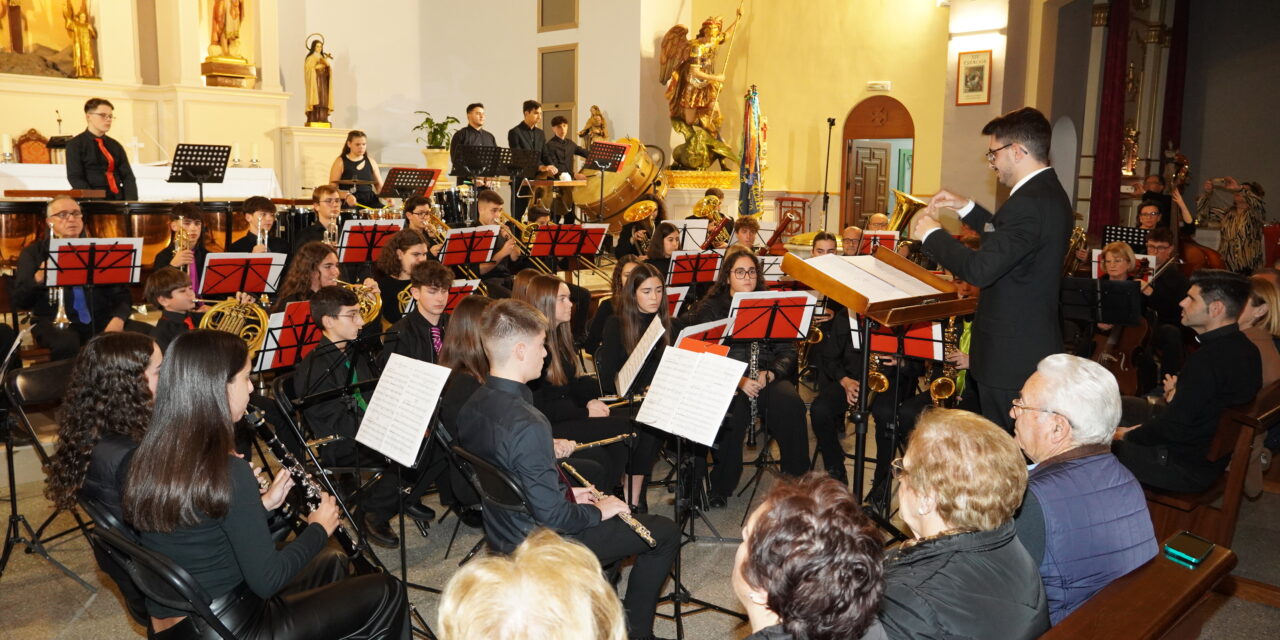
{"points": [[973, 78], [53, 38]]}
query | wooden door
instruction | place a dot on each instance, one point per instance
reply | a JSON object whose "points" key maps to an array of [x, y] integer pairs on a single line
{"points": [[867, 180]]}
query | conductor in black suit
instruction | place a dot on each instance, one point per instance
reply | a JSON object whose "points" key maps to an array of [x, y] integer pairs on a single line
{"points": [[1019, 264], [95, 160]]}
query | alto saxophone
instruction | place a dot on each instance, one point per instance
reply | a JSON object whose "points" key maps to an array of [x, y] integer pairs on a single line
{"points": [[943, 388]]}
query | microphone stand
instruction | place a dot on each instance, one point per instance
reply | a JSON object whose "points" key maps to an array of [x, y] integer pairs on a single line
{"points": [[826, 172]]}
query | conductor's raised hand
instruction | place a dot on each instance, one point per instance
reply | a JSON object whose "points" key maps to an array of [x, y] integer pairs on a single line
{"points": [[948, 200], [924, 224], [326, 514]]}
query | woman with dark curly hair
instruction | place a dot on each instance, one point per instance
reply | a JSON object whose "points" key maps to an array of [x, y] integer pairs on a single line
{"points": [[402, 252], [313, 265], [103, 417]]}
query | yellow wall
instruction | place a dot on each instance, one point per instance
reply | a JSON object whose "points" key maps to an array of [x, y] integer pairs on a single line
{"points": [[811, 60]]}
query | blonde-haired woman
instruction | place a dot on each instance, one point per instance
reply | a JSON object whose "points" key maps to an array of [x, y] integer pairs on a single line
{"points": [[550, 588], [964, 574]]}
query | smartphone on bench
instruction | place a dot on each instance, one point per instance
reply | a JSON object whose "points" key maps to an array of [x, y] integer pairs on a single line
{"points": [[1188, 549]]}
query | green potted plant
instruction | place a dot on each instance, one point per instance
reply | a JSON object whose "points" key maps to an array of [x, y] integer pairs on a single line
{"points": [[437, 135]]}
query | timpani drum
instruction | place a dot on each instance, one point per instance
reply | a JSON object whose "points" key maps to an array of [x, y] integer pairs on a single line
{"points": [[106, 218], [149, 221], [635, 175], [20, 224], [216, 216]]}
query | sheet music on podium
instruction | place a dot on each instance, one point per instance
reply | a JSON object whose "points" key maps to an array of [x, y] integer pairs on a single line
{"points": [[870, 277], [398, 416], [690, 394], [627, 374]]}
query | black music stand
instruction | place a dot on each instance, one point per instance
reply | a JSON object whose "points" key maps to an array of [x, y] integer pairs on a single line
{"points": [[199, 163], [87, 262], [405, 183], [605, 157], [1132, 236], [476, 161], [226, 275], [699, 266]]}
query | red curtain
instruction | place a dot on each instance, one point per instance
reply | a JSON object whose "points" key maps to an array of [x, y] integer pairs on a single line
{"points": [[1175, 78], [1104, 198]]}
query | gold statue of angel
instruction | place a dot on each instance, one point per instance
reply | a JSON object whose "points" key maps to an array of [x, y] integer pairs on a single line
{"points": [[687, 68]]}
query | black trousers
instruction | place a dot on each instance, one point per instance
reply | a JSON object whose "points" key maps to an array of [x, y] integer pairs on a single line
{"points": [[320, 602], [827, 418], [65, 343], [783, 414], [1154, 466], [996, 403], [613, 541], [613, 458]]}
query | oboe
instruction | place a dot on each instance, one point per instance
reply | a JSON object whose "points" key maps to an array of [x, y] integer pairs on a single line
{"points": [[601, 443], [631, 521], [310, 487]]}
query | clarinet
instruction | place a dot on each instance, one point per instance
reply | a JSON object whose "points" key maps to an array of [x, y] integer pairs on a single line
{"points": [[311, 488], [753, 372]]}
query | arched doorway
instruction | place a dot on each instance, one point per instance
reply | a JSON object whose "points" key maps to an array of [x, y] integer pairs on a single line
{"points": [[877, 155]]}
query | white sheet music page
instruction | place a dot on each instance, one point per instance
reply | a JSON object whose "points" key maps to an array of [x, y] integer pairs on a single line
{"points": [[892, 275], [877, 281], [635, 361], [690, 394], [398, 416]]}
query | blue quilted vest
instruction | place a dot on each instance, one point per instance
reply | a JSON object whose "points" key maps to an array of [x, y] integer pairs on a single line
{"points": [[1097, 528]]}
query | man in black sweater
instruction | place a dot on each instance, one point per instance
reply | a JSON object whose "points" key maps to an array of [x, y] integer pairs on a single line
{"points": [[1170, 451], [97, 161], [528, 135], [500, 424]]}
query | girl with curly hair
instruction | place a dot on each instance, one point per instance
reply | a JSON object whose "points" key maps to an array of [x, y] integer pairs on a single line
{"points": [[103, 417], [312, 266]]}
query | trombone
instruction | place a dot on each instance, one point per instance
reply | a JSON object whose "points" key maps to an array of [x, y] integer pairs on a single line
{"points": [[527, 232], [438, 229]]}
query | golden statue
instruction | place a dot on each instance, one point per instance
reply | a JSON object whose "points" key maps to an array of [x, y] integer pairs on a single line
{"points": [[317, 73], [224, 39], [1129, 161], [83, 34], [687, 68], [596, 128]]}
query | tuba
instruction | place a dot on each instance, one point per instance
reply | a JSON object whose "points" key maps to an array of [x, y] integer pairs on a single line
{"points": [[708, 208], [904, 210], [642, 210], [245, 321], [370, 300]]}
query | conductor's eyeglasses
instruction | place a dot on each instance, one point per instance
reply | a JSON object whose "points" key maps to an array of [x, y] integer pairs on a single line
{"points": [[743, 274], [991, 154]]}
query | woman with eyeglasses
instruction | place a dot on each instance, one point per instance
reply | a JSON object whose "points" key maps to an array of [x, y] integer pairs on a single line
{"points": [[773, 388], [95, 160]]}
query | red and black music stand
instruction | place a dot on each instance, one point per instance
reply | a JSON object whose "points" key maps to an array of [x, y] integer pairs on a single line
{"points": [[605, 156], [693, 267], [873, 239], [675, 299], [291, 335], [469, 245], [87, 262], [251, 273], [458, 290], [362, 240]]}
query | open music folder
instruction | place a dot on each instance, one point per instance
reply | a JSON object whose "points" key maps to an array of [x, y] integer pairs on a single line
{"points": [[635, 362], [399, 414], [690, 394]]}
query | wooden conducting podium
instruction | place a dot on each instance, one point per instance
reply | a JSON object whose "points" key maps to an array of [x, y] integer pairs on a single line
{"points": [[881, 288], [884, 286]]}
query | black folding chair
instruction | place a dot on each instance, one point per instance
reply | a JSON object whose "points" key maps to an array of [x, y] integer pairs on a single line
{"points": [[134, 600], [497, 489], [41, 385], [160, 578]]}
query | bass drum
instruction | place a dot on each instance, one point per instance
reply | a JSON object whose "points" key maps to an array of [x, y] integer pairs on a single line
{"points": [[149, 221], [637, 173], [20, 224]]}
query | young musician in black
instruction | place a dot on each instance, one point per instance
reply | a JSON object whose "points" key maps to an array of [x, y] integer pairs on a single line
{"points": [[778, 402], [95, 160], [187, 224], [464, 354], [169, 290], [195, 501], [402, 252], [605, 309], [528, 135], [355, 164], [666, 241], [314, 265], [260, 213], [336, 364], [419, 334], [500, 425]]}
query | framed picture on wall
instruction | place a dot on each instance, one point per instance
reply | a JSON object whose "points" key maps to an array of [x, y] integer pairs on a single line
{"points": [[973, 78]]}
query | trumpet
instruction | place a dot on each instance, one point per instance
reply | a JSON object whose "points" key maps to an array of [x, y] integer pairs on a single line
{"points": [[631, 521], [262, 240], [331, 234], [57, 298], [370, 300], [246, 321], [182, 242]]}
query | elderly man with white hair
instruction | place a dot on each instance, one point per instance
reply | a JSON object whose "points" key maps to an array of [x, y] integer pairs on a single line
{"points": [[1084, 518]]}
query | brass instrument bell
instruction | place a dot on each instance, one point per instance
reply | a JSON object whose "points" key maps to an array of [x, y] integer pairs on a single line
{"points": [[904, 210], [370, 301], [943, 388], [877, 382], [708, 208], [245, 321]]}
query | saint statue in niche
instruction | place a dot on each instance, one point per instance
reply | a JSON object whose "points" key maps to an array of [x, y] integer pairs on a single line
{"points": [[224, 39], [687, 68], [83, 35], [596, 128], [317, 73]]}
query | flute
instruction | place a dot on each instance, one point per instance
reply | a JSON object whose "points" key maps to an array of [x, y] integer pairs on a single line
{"points": [[624, 401], [601, 443], [631, 521]]}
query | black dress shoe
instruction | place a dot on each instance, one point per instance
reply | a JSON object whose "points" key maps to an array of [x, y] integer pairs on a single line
{"points": [[380, 533], [717, 502], [420, 512], [471, 517]]}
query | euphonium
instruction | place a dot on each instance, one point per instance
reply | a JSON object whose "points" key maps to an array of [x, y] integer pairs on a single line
{"points": [[943, 388], [246, 321], [370, 300], [708, 208], [904, 210], [642, 210]]}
